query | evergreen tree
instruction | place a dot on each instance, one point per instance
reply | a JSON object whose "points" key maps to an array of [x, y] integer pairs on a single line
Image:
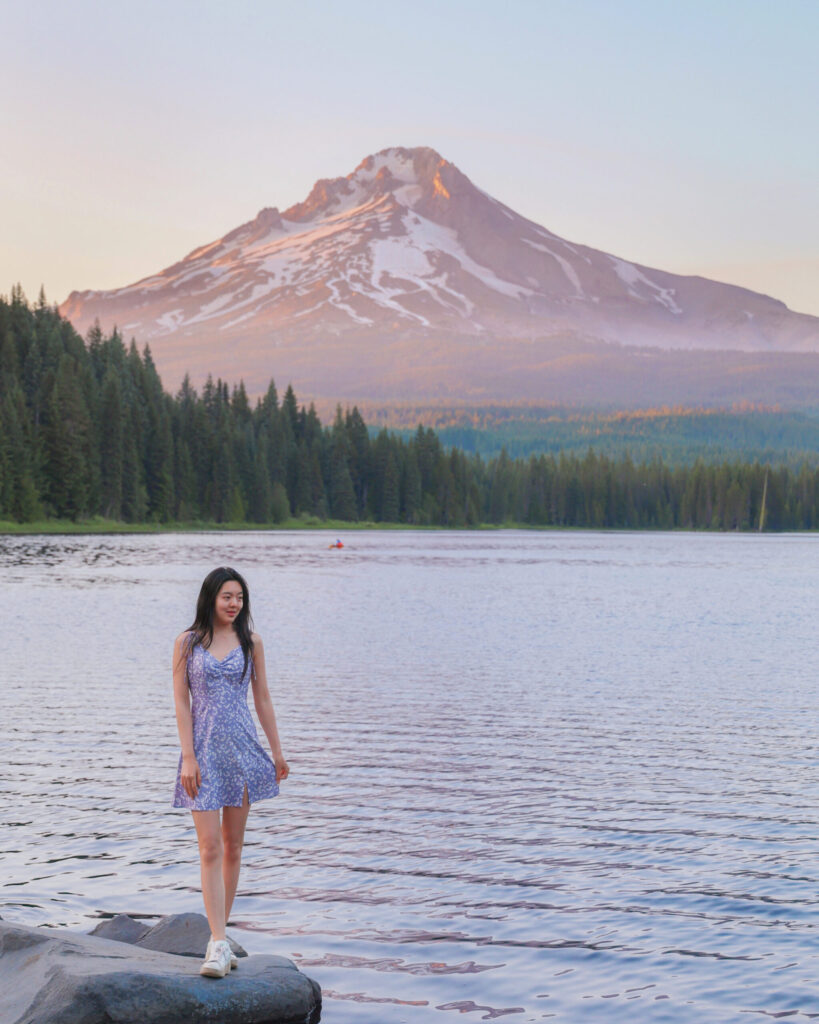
{"points": [[280, 506], [111, 446], [391, 499], [359, 461], [19, 499], [342, 496], [303, 497], [68, 444], [411, 488], [261, 497], [134, 495]]}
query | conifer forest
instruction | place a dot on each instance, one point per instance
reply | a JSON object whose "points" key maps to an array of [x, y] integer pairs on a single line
{"points": [[87, 430]]}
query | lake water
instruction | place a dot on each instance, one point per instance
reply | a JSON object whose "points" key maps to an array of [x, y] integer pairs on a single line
{"points": [[545, 775]]}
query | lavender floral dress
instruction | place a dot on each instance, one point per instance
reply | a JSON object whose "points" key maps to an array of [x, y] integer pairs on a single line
{"points": [[225, 740]]}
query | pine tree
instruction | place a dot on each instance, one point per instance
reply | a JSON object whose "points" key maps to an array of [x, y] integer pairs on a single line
{"points": [[290, 412], [318, 494], [411, 488], [342, 497], [391, 500], [134, 495], [111, 446], [280, 506], [359, 462], [303, 497], [185, 507], [261, 495], [19, 499], [68, 440]]}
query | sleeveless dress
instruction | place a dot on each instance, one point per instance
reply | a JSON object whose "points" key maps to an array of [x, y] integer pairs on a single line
{"points": [[225, 740]]}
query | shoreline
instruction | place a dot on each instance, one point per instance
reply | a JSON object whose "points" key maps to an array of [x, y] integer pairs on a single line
{"points": [[98, 525], [105, 526]]}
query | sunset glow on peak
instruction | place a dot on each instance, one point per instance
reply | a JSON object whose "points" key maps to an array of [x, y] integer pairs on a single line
{"points": [[438, 186]]}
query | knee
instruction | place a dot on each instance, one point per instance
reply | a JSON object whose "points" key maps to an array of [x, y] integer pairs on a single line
{"points": [[210, 851], [233, 849]]}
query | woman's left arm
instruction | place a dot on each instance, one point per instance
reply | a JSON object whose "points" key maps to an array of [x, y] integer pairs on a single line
{"points": [[264, 708]]}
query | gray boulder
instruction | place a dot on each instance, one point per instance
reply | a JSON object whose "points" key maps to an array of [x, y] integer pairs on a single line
{"points": [[57, 976], [121, 928], [183, 934]]}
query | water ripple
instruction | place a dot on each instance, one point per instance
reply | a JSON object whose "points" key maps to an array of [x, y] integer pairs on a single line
{"points": [[559, 776]]}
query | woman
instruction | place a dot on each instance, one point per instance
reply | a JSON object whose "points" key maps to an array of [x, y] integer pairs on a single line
{"points": [[222, 764]]}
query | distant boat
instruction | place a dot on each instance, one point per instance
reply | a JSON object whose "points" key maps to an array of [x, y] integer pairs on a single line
{"points": [[337, 544]]}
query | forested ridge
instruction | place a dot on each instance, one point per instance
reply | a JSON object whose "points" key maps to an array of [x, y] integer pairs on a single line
{"points": [[677, 435], [86, 429]]}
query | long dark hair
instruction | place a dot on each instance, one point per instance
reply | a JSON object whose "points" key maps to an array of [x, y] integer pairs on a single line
{"points": [[201, 631]]}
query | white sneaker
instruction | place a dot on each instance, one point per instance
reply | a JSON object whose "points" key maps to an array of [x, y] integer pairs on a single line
{"points": [[217, 959], [234, 960]]}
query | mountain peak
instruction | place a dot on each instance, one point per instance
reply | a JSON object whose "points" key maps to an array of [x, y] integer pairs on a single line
{"points": [[388, 170], [400, 159], [407, 243], [421, 166]]}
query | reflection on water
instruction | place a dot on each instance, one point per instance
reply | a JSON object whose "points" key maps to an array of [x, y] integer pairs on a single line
{"points": [[562, 776]]}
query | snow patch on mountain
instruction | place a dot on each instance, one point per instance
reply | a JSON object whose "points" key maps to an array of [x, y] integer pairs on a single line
{"points": [[171, 320], [632, 277], [567, 268]]}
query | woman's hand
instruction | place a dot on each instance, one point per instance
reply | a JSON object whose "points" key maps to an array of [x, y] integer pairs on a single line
{"points": [[191, 776], [282, 768]]}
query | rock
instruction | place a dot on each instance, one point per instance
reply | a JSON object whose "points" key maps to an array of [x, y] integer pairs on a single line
{"points": [[121, 928], [183, 934], [57, 976]]}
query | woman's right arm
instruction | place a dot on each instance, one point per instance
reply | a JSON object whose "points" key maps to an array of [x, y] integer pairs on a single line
{"points": [[191, 777]]}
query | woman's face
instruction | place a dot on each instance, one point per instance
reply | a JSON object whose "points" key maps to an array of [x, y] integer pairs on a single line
{"points": [[228, 603]]}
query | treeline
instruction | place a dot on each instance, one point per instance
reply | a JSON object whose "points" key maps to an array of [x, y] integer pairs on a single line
{"points": [[86, 429], [675, 435]]}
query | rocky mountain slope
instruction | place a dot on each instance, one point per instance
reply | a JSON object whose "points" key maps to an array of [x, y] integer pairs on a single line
{"points": [[406, 256]]}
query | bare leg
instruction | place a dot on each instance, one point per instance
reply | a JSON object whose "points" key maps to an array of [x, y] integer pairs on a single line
{"points": [[210, 860], [234, 820]]}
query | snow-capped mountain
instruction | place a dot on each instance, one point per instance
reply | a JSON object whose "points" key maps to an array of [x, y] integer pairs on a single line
{"points": [[407, 247]]}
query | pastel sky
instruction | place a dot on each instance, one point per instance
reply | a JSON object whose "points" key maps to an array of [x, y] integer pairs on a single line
{"points": [[678, 135]]}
